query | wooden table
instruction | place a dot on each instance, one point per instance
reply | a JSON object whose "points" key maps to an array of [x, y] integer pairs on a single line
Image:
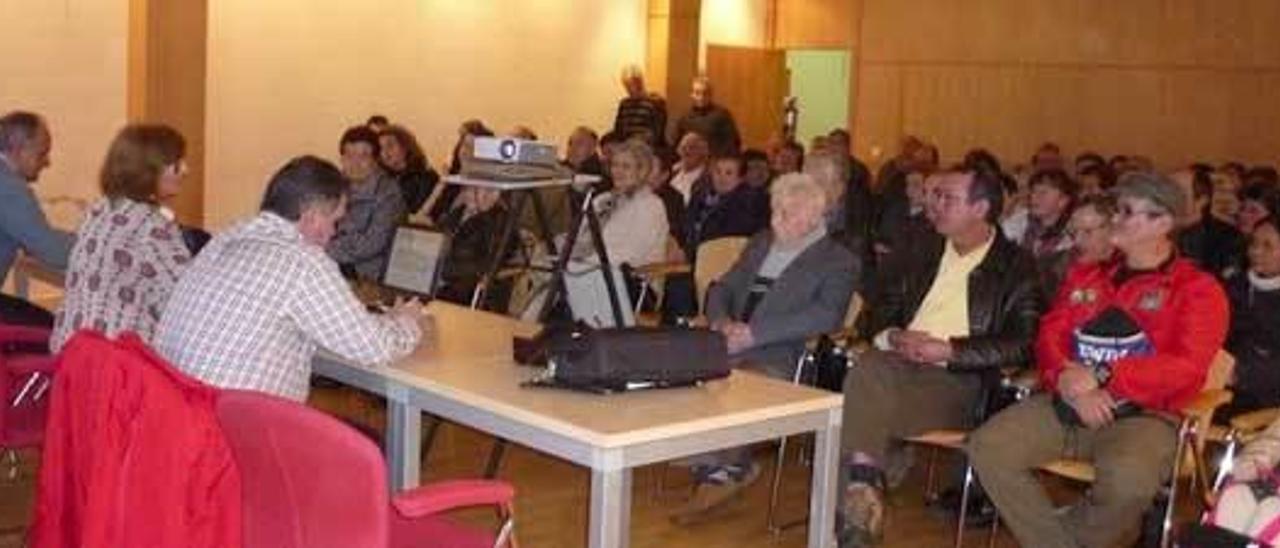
{"points": [[25, 269], [464, 373]]}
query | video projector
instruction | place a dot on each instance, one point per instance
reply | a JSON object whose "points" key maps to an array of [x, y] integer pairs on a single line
{"points": [[511, 159]]}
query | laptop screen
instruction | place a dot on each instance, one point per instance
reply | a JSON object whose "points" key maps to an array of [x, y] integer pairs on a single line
{"points": [[414, 263]]}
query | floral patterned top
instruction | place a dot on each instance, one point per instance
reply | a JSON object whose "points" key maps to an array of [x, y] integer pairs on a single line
{"points": [[126, 260]]}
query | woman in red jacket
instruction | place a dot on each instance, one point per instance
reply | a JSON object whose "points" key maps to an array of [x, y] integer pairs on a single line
{"points": [[1126, 343]]}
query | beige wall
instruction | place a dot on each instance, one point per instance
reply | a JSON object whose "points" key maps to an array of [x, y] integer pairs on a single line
{"points": [[1173, 79], [285, 77], [66, 60], [733, 23]]}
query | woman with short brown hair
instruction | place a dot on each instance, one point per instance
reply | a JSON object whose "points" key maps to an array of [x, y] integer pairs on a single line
{"points": [[129, 251]]}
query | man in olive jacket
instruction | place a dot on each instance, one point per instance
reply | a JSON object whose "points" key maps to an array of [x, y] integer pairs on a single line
{"points": [[950, 315]]}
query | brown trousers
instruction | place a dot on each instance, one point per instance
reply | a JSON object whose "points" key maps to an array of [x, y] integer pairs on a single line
{"points": [[887, 398], [1132, 457]]}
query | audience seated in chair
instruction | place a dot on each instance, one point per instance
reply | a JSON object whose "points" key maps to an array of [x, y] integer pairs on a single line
{"points": [[374, 208], [1041, 228], [902, 230], [402, 158], [672, 201], [1124, 343], [1090, 229], [951, 313], [475, 227], [129, 253], [581, 152], [1254, 337], [1212, 244], [692, 169], [633, 226], [1258, 200], [858, 202], [790, 283], [1095, 179], [848, 216], [724, 206], [258, 302], [789, 159], [755, 169], [441, 201], [25, 143]]}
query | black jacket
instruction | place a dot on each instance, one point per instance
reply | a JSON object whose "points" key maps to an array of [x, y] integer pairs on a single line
{"points": [[473, 245], [416, 187], [713, 122], [1254, 341], [742, 212], [1005, 303], [1215, 246]]}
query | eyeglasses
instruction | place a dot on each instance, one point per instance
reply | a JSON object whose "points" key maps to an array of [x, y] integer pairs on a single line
{"points": [[1125, 211]]}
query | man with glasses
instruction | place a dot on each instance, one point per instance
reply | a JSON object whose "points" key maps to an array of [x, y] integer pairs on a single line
{"points": [[960, 306], [1126, 344]]}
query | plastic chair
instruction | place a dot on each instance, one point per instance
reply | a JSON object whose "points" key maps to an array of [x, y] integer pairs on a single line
{"points": [[312, 481], [715, 258], [25, 371], [1195, 419]]}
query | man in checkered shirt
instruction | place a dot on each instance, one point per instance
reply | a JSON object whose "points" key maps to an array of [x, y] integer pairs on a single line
{"points": [[262, 297]]}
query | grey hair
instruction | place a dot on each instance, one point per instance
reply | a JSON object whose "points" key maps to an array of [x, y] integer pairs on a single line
{"points": [[18, 128], [798, 186]]}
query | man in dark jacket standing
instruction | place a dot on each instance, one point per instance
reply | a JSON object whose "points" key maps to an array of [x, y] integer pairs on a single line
{"points": [[966, 306], [710, 120]]}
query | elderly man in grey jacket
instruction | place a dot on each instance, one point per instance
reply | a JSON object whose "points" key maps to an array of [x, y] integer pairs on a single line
{"points": [[24, 152], [790, 283]]}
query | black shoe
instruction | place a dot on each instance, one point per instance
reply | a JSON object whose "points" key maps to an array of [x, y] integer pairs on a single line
{"points": [[981, 511]]}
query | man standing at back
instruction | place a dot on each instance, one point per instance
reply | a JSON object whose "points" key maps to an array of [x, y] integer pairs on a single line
{"points": [[640, 111], [259, 301], [24, 152], [710, 120]]}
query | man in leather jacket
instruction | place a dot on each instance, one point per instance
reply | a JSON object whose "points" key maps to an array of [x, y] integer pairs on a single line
{"points": [[965, 306]]}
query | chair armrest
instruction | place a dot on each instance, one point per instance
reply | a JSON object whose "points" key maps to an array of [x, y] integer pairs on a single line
{"points": [[1255, 420], [1205, 403], [662, 270], [450, 495], [21, 334], [31, 363]]}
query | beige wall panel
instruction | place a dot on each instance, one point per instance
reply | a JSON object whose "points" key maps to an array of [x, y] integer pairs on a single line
{"points": [[1173, 79], [287, 76], [816, 23], [67, 61]]}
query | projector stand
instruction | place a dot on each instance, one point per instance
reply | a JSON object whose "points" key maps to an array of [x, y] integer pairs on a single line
{"points": [[517, 199]]}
